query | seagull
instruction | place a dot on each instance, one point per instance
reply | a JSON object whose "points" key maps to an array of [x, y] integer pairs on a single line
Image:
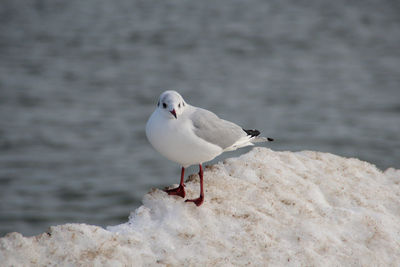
{"points": [[190, 135]]}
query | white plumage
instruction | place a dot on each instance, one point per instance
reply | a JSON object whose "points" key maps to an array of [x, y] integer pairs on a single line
{"points": [[189, 135]]}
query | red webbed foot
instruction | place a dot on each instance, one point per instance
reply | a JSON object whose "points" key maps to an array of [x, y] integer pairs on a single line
{"points": [[198, 201], [179, 191]]}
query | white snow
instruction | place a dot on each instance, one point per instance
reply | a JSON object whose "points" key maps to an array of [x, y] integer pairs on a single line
{"points": [[263, 208]]}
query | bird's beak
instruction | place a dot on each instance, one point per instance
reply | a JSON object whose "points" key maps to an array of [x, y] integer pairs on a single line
{"points": [[173, 113]]}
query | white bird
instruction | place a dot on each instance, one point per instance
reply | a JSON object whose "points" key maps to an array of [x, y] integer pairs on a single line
{"points": [[190, 135]]}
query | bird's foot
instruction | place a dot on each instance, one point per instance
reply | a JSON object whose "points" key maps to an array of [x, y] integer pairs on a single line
{"points": [[198, 201], [179, 191]]}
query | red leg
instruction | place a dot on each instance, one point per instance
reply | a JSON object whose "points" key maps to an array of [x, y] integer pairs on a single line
{"points": [[198, 201], [180, 190]]}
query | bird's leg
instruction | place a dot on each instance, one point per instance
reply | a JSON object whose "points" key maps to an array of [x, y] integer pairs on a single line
{"points": [[180, 190], [198, 201]]}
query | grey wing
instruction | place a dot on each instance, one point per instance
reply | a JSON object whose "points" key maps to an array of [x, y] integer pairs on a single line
{"points": [[211, 128]]}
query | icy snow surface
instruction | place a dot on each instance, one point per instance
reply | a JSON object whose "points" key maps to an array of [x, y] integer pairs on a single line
{"points": [[263, 208]]}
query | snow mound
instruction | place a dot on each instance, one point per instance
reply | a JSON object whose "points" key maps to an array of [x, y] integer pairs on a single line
{"points": [[263, 208]]}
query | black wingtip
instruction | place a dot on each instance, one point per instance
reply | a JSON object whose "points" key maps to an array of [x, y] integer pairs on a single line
{"points": [[255, 132], [252, 133]]}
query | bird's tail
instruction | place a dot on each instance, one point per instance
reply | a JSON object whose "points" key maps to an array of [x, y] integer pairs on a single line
{"points": [[254, 138], [257, 139]]}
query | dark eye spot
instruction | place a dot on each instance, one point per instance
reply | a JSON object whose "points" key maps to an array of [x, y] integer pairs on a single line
{"points": [[179, 105], [164, 105]]}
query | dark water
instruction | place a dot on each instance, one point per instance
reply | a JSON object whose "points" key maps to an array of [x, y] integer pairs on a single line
{"points": [[78, 80]]}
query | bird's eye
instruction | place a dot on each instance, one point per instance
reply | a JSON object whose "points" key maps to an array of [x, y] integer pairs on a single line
{"points": [[164, 105], [179, 105]]}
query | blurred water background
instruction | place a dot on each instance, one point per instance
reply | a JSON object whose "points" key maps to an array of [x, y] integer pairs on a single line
{"points": [[79, 79]]}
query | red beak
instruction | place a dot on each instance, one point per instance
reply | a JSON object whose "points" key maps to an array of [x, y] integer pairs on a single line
{"points": [[173, 113]]}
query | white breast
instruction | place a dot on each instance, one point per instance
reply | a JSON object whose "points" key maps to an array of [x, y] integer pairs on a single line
{"points": [[175, 140]]}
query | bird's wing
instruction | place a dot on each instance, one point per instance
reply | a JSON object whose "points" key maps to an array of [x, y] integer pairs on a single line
{"points": [[212, 129]]}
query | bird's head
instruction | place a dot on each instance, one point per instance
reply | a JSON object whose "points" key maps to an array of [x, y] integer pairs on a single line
{"points": [[171, 104]]}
